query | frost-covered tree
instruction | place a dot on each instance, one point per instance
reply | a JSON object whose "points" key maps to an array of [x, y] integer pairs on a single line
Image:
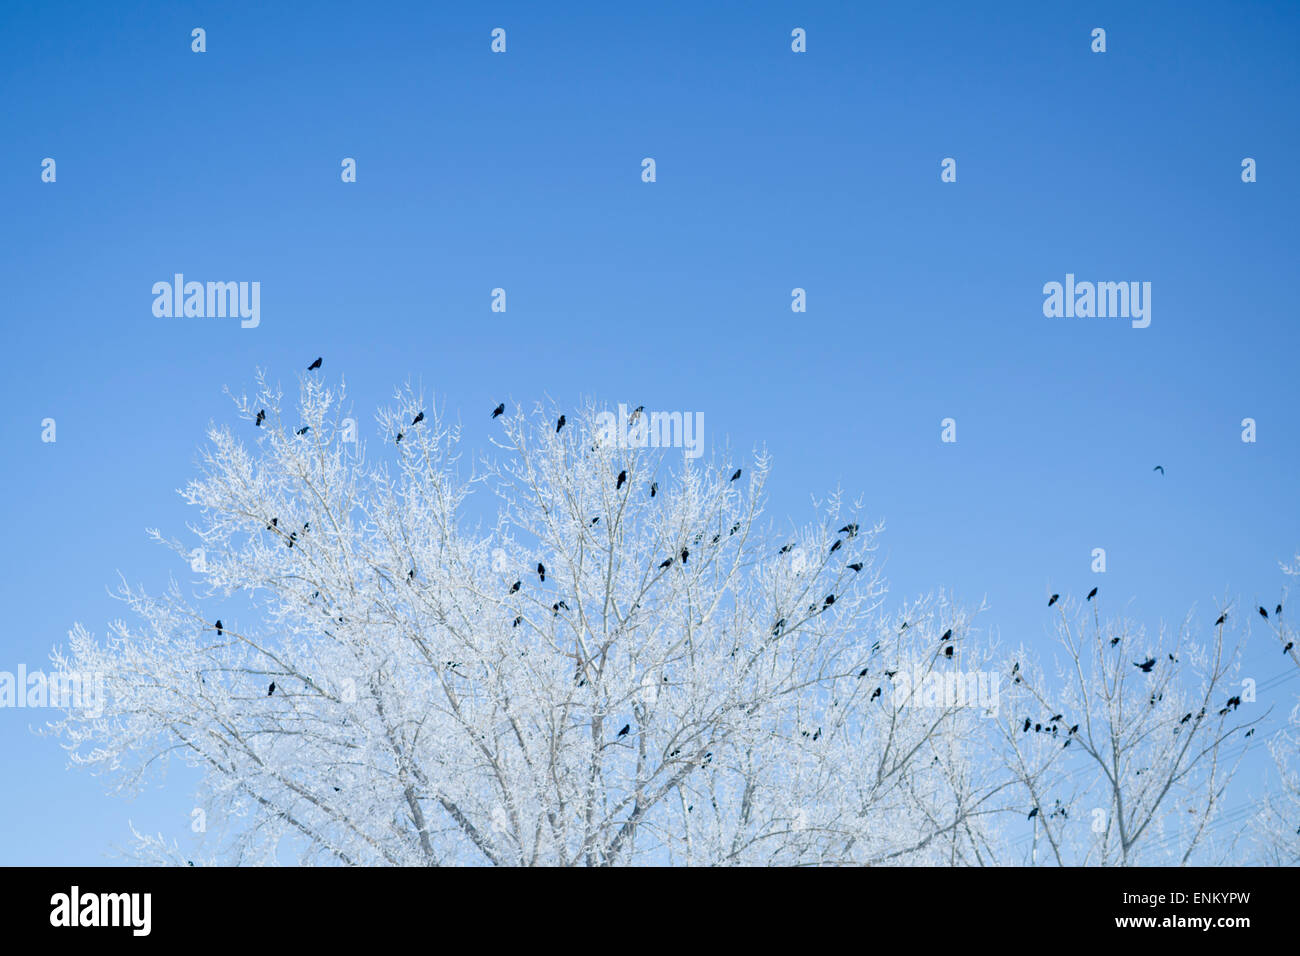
{"points": [[1277, 825], [577, 653], [1122, 755]]}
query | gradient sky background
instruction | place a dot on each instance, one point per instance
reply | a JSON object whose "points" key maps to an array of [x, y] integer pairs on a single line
{"points": [[775, 170]]}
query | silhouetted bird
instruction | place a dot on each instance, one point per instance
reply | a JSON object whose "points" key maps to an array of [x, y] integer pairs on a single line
{"points": [[1263, 614], [1249, 732], [947, 635], [830, 599], [785, 548], [654, 487], [1038, 728], [777, 627], [304, 430], [1033, 813], [400, 436], [499, 410], [559, 424], [1025, 729], [1159, 468], [622, 479], [541, 570], [1146, 665], [261, 417], [1222, 617], [685, 554], [667, 563], [947, 652], [1289, 645], [850, 529], [734, 528], [636, 413], [270, 690], [875, 693], [218, 625], [625, 731], [890, 674], [836, 546], [1114, 641], [1091, 594], [274, 523], [736, 476], [595, 521], [1074, 729], [555, 608], [862, 673], [516, 586], [1053, 599], [1056, 717], [856, 566], [1186, 717], [314, 365], [1278, 610], [517, 621], [417, 419]]}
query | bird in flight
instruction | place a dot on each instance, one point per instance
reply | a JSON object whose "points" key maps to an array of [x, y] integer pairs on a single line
{"points": [[559, 424], [1159, 468], [541, 570], [1091, 594], [1053, 599], [417, 419], [314, 365], [1146, 665], [261, 417], [499, 410]]}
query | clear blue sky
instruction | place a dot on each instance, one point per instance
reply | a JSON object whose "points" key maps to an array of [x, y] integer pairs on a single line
{"points": [[775, 170]]}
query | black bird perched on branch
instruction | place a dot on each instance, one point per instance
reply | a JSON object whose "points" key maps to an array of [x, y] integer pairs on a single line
{"points": [[400, 436], [855, 567], [270, 690], [836, 546], [261, 417], [1263, 614], [875, 693], [1289, 645], [555, 608], [947, 635], [685, 554], [1032, 813], [218, 625], [1222, 617], [499, 410], [1053, 599], [516, 586], [862, 673], [417, 419], [666, 563], [1025, 729], [654, 487], [736, 476], [1091, 594], [541, 570], [1056, 717], [1146, 665], [850, 529], [785, 548], [947, 652], [625, 731], [1278, 610], [1186, 717], [304, 430], [622, 480], [778, 627], [559, 424], [314, 365], [1114, 641], [830, 599]]}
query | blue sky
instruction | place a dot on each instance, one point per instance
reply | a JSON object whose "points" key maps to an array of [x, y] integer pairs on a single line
{"points": [[775, 170]]}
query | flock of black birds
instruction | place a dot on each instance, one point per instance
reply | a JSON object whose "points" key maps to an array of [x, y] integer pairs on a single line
{"points": [[1052, 726]]}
